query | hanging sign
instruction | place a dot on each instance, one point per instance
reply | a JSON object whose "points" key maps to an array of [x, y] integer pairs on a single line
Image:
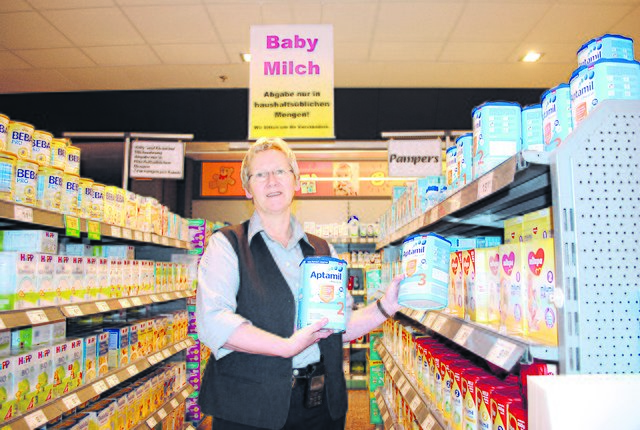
{"points": [[415, 158], [159, 160], [291, 81]]}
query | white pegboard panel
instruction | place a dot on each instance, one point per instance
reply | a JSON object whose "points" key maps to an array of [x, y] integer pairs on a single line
{"points": [[596, 193]]}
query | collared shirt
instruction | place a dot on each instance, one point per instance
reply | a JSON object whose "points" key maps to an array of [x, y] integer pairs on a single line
{"points": [[219, 280]]}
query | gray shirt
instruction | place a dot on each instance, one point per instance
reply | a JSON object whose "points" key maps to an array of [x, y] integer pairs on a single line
{"points": [[219, 280]]}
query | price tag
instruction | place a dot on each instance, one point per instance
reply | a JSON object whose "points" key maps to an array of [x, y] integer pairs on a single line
{"points": [[2, 325], [36, 419], [72, 226], [73, 311], [174, 403], [126, 234], [164, 240], [112, 380], [71, 401], [485, 185], [100, 387], [103, 306], [385, 416], [415, 403], [152, 359], [166, 297], [430, 319], [133, 370], [136, 301], [394, 372], [159, 356], [162, 413], [500, 352], [116, 231], [151, 422], [166, 353], [155, 298], [428, 422], [124, 303], [440, 321], [420, 315], [37, 316], [405, 389], [137, 235], [463, 334], [185, 393], [190, 427], [93, 230], [147, 236], [155, 239], [455, 202], [21, 213]]}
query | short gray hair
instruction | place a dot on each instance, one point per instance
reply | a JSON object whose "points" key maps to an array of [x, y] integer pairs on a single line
{"points": [[264, 144]]}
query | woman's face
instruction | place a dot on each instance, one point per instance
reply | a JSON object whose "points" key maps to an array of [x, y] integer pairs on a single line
{"points": [[272, 184]]}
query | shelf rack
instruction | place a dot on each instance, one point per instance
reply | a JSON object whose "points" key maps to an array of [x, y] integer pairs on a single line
{"points": [[389, 420], [169, 406]]}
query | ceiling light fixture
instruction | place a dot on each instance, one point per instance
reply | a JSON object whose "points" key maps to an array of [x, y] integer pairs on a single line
{"points": [[246, 58], [531, 57]]}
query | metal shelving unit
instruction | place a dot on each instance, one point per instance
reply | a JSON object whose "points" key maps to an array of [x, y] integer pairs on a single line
{"points": [[169, 406], [389, 420]]}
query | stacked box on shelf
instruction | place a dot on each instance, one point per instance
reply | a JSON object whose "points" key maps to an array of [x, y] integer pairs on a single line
{"points": [[376, 377]]}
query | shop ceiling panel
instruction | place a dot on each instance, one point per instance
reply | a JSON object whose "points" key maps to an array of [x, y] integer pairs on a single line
{"points": [[56, 57], [9, 60], [207, 76], [359, 74], [234, 50], [155, 2], [233, 21], [351, 51], [94, 27], [172, 24], [497, 22], [410, 77], [29, 30], [566, 23], [192, 54], [398, 52], [412, 22], [299, 12], [352, 22], [629, 25], [69, 4], [161, 76], [34, 81], [95, 78], [553, 52], [134, 55], [476, 52], [14, 6]]}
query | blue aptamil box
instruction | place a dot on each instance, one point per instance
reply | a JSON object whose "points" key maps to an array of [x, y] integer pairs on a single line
{"points": [[532, 135], [608, 46], [497, 134], [602, 80], [556, 116]]}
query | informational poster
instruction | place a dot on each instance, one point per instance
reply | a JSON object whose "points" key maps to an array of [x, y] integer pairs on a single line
{"points": [[291, 82], [417, 158], [157, 159]]}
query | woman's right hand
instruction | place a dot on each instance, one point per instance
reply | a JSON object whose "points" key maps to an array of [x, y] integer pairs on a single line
{"points": [[307, 336]]}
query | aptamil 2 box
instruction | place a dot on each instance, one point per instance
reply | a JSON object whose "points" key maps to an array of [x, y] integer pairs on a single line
{"points": [[513, 302], [8, 408], [90, 357], [25, 381], [540, 281], [537, 224], [44, 374]]}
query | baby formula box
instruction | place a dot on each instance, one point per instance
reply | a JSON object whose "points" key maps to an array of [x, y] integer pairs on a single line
{"points": [[119, 207], [537, 224], [513, 301], [497, 134], [485, 284], [501, 401], [602, 80], [72, 164], [514, 230], [532, 135], [25, 381], [85, 194], [556, 116], [109, 204], [452, 166], [469, 379], [8, 408], [456, 285], [44, 374], [131, 210], [425, 262], [4, 129], [26, 182], [41, 147], [97, 202], [58, 153], [7, 175], [49, 190], [540, 283], [464, 158], [70, 189], [19, 139], [518, 418], [323, 292], [608, 46]]}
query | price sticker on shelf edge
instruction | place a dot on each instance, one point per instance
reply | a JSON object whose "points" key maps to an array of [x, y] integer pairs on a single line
{"points": [[73, 311], [100, 387], [439, 323], [151, 422], [485, 185], [159, 357], [112, 380], [162, 413], [428, 422], [93, 230], [155, 298], [166, 353], [2, 325], [71, 401], [415, 403], [116, 231], [133, 370], [385, 416], [185, 393], [103, 306], [36, 419], [124, 303], [430, 319], [147, 236], [405, 389], [21, 213], [37, 316], [136, 301], [152, 359], [174, 403], [126, 234], [455, 202], [137, 235], [72, 226], [463, 334], [166, 297], [500, 352], [164, 240]]}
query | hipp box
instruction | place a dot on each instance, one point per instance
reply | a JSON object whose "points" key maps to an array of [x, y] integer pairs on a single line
{"points": [[540, 282], [45, 270], [61, 376], [92, 285], [8, 407], [78, 286], [62, 279], [27, 287], [513, 301], [74, 365], [25, 381], [44, 374]]}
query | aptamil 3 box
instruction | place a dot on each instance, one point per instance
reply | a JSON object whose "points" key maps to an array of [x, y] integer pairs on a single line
{"points": [[44, 374], [540, 281], [513, 302], [8, 407]]}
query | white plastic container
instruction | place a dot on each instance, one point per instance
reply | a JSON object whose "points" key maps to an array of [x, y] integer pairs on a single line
{"points": [[607, 46], [532, 135], [464, 159], [556, 116]]}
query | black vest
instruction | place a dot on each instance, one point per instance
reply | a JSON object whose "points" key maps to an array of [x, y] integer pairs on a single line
{"points": [[255, 389]]}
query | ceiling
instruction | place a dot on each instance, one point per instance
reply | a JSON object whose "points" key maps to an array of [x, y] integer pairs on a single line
{"points": [[84, 45]]}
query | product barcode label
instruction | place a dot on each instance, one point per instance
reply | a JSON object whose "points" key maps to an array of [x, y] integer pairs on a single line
{"points": [[100, 387], [162, 413], [73, 311], [463, 334], [485, 185], [500, 352], [428, 422], [37, 316], [151, 422], [174, 403], [36, 419], [133, 370], [126, 234], [112, 380], [71, 401], [103, 306], [24, 214]]}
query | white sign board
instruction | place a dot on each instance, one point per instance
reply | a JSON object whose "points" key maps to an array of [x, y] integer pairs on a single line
{"points": [[415, 158], [163, 160]]}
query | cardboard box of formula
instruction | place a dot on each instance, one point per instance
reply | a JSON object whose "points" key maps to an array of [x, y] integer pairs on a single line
{"points": [[8, 407]]}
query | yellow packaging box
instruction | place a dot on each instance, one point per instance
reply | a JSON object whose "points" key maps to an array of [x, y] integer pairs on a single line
{"points": [[484, 285], [513, 230], [537, 225], [513, 301], [469, 282], [456, 285], [540, 282]]}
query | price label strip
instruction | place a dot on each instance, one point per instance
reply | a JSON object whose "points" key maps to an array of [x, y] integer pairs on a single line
{"points": [[71, 401], [100, 387], [430, 319], [133, 370], [21, 213], [36, 419], [103, 306], [439, 323], [112, 380], [93, 230], [428, 422], [73, 311], [463, 334], [485, 185], [500, 352], [37, 316]]}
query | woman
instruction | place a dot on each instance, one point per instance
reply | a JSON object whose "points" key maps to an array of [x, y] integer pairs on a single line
{"points": [[261, 370]]}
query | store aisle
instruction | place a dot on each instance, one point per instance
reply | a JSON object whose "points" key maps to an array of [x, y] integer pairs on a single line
{"points": [[357, 418]]}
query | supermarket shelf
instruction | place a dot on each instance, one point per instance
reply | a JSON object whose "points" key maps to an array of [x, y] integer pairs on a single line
{"points": [[512, 188], [353, 241], [357, 292], [43, 218], [172, 404], [413, 395], [499, 349], [100, 306], [27, 317], [389, 420], [55, 408]]}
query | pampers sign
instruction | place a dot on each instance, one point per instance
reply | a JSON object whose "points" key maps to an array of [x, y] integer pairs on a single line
{"points": [[415, 158], [291, 81]]}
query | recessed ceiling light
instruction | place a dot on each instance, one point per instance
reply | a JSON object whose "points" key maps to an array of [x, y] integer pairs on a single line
{"points": [[246, 58], [531, 57]]}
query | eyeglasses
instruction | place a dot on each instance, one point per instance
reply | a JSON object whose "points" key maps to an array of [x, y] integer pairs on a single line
{"points": [[278, 174]]}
